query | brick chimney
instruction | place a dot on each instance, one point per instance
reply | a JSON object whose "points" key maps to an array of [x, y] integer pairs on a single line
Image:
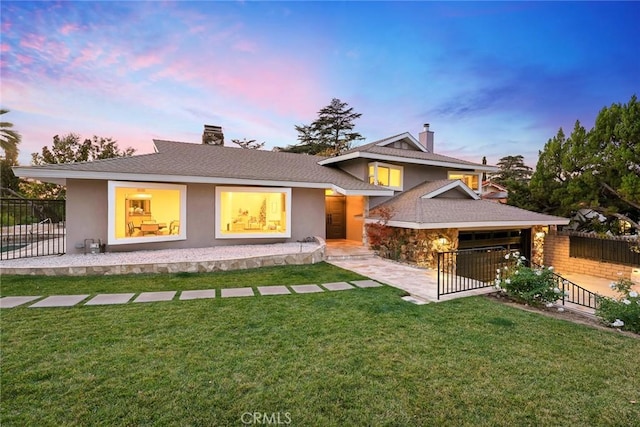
{"points": [[213, 135], [426, 138]]}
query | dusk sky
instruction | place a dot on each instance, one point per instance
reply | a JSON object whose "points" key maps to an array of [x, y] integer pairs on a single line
{"points": [[492, 79]]}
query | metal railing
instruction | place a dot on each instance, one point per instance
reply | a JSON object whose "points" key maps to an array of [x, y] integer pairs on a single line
{"points": [[468, 269], [31, 227], [574, 293]]}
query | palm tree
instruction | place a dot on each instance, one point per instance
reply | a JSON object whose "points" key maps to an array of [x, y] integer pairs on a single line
{"points": [[9, 139]]}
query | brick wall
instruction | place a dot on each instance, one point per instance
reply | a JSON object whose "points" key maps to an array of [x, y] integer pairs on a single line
{"points": [[556, 254]]}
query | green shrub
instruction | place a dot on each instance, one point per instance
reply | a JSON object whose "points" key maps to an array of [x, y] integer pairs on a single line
{"points": [[533, 286], [622, 312]]}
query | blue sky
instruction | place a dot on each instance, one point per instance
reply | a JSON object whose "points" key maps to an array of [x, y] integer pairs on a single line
{"points": [[492, 79]]}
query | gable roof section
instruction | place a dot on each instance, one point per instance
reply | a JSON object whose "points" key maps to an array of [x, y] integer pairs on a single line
{"points": [[446, 185], [201, 163], [412, 210], [379, 150]]}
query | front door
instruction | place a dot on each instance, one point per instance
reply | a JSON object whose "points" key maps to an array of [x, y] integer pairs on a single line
{"points": [[336, 218]]}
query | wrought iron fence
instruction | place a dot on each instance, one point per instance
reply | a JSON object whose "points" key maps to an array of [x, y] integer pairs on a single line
{"points": [[617, 250], [468, 269], [574, 293], [31, 227]]}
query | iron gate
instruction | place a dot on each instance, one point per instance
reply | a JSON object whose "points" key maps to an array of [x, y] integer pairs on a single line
{"points": [[31, 227]]}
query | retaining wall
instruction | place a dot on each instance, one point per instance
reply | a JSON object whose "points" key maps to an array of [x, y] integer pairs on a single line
{"points": [[313, 257], [556, 254]]}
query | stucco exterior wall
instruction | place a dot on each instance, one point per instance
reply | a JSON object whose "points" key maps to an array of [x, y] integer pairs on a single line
{"points": [[417, 174], [86, 212], [307, 213], [87, 217], [355, 218], [358, 168]]}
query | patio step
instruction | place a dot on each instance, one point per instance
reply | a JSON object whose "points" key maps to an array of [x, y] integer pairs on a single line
{"points": [[342, 257]]}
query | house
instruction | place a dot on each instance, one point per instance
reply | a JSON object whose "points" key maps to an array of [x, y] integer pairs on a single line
{"points": [[199, 195], [494, 192]]}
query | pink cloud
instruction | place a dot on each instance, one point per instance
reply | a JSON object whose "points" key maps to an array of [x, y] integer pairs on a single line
{"points": [[68, 28], [24, 59], [34, 41], [45, 47], [147, 60], [284, 85], [4, 47], [88, 55], [245, 46]]}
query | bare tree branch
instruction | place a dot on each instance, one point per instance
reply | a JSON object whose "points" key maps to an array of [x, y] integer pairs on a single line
{"points": [[619, 216], [612, 190]]}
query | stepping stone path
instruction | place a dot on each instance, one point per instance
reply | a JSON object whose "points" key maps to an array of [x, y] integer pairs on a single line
{"points": [[126, 298], [10, 302], [60, 301], [306, 289], [337, 286], [155, 296], [108, 299], [366, 283], [237, 292], [273, 290], [207, 293]]}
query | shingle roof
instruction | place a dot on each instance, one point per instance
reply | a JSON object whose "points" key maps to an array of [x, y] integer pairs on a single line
{"points": [[378, 148], [210, 161], [409, 207]]}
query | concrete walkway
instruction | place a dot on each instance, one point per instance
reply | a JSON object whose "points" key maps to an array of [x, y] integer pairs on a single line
{"points": [[36, 301], [418, 282]]}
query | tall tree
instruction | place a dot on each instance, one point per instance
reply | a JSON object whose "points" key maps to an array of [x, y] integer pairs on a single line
{"points": [[512, 168], [598, 169], [9, 139], [250, 144], [70, 149], [9, 183], [330, 134], [484, 174], [514, 175]]}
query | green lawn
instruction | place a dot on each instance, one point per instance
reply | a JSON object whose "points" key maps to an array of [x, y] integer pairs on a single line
{"points": [[284, 275], [352, 358]]}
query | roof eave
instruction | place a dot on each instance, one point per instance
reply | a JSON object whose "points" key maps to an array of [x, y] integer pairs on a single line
{"points": [[61, 176], [384, 157], [470, 224]]}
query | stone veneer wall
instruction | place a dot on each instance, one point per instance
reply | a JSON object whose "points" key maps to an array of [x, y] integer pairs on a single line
{"points": [[420, 246], [316, 256], [556, 254]]}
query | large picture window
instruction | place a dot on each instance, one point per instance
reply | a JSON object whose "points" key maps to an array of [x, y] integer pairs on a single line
{"points": [[386, 175], [253, 212], [144, 212]]}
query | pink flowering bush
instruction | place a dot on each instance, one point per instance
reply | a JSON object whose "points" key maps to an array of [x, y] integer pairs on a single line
{"points": [[533, 286], [622, 312]]}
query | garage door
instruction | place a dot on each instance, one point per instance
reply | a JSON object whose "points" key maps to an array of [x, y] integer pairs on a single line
{"points": [[513, 240]]}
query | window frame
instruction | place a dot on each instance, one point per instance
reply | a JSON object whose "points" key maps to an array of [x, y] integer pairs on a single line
{"points": [[389, 166], [112, 240], [477, 190], [231, 235]]}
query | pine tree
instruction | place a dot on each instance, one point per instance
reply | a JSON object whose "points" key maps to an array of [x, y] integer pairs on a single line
{"points": [[330, 134]]}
